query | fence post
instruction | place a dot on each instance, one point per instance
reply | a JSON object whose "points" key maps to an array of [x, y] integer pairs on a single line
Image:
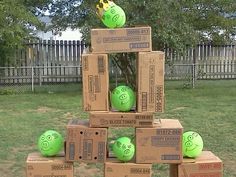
{"points": [[32, 79], [193, 75], [194, 68], [40, 76]]}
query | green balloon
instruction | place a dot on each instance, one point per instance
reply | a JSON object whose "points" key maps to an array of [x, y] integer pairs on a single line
{"points": [[123, 149], [122, 98], [50, 143], [114, 17], [192, 144]]}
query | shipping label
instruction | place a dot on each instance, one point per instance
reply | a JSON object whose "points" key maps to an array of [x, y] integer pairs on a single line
{"points": [[138, 31], [121, 39], [140, 170], [168, 131], [65, 166], [139, 45], [166, 141], [209, 174], [210, 166]]}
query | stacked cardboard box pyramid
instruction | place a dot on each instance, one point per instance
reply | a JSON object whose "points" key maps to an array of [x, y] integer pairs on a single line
{"points": [[157, 140]]}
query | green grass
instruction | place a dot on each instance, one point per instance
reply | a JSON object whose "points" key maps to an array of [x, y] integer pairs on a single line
{"points": [[209, 109]]}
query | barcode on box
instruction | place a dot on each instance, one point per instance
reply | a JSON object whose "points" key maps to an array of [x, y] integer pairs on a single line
{"points": [[144, 117], [170, 157], [138, 31], [97, 84], [158, 100], [71, 151], [151, 83], [85, 63], [101, 151], [87, 149], [144, 101], [101, 64], [145, 123], [90, 84]]}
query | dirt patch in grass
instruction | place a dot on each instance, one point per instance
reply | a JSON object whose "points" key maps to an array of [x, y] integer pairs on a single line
{"points": [[85, 170], [5, 168], [179, 108], [46, 109], [229, 164]]}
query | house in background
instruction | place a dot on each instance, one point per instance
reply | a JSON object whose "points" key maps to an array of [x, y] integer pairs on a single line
{"points": [[68, 34]]}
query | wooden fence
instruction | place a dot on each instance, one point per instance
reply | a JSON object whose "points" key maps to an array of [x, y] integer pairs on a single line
{"points": [[202, 53], [202, 62], [60, 61]]}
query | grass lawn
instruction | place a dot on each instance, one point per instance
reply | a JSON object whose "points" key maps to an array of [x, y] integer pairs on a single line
{"points": [[209, 109]]}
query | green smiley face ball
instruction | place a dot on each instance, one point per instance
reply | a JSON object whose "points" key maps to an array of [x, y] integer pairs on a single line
{"points": [[114, 17], [192, 144], [50, 143], [122, 98], [123, 149]]}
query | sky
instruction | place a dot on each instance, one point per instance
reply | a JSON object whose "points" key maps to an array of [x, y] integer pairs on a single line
{"points": [[69, 35]]}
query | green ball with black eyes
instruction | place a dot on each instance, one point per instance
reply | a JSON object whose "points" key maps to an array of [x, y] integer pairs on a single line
{"points": [[50, 143], [114, 17], [122, 98], [123, 149], [192, 144]]}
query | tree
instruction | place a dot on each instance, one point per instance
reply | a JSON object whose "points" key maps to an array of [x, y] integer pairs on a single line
{"points": [[175, 23], [17, 20]]}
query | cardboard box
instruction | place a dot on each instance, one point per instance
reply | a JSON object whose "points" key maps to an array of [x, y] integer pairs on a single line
{"points": [[84, 144], [95, 82], [115, 168], [121, 40], [150, 81], [39, 166], [160, 144], [120, 119], [206, 165]]}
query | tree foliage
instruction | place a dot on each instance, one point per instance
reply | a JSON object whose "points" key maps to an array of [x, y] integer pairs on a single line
{"points": [[175, 23], [17, 20]]}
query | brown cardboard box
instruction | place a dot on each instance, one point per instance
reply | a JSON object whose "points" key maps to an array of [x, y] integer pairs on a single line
{"points": [[84, 144], [121, 40], [39, 166], [95, 82], [150, 81], [160, 144], [120, 119], [115, 168], [206, 165]]}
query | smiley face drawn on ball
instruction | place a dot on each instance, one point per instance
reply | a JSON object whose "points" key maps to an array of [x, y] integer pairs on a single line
{"points": [[124, 98], [46, 141], [122, 95], [190, 144], [125, 148], [114, 15]]}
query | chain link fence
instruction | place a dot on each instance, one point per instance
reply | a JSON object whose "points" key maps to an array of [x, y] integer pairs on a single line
{"points": [[40, 79]]}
